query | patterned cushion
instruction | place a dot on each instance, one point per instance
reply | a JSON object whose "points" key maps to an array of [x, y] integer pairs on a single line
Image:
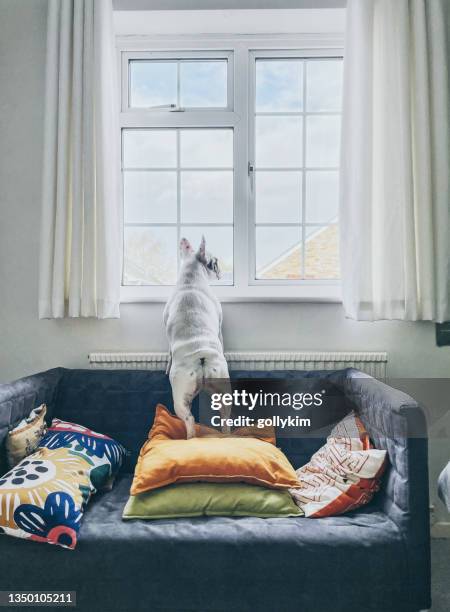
{"points": [[341, 476], [103, 454], [44, 496], [25, 437]]}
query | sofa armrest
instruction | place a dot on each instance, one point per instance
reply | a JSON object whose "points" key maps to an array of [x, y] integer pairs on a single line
{"points": [[397, 424], [17, 399]]}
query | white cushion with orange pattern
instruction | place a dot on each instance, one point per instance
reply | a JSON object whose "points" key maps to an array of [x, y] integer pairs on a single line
{"points": [[342, 475]]}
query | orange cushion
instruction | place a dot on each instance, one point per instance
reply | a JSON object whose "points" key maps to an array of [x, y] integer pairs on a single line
{"points": [[167, 426], [163, 461]]}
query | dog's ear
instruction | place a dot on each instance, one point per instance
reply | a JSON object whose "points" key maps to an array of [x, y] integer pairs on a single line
{"points": [[185, 247], [216, 268], [201, 254]]}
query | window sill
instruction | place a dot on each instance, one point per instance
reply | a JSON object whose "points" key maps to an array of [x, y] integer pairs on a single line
{"points": [[305, 292]]}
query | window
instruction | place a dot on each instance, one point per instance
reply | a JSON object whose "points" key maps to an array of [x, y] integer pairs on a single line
{"points": [[295, 147], [241, 146]]}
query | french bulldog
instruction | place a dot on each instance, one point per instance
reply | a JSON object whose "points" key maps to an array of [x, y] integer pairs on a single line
{"points": [[193, 321]]}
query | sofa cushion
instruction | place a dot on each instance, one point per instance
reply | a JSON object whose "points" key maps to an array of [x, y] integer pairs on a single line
{"points": [[163, 462], [102, 454], [23, 439], [167, 426], [43, 497], [218, 563], [343, 475], [210, 499]]}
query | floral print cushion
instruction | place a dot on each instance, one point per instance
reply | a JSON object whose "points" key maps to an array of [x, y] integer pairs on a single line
{"points": [[43, 498], [103, 454]]}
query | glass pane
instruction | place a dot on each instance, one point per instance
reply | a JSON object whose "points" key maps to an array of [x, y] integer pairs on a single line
{"points": [[278, 197], [207, 197], [150, 256], [206, 148], [219, 242], [278, 142], [153, 83], [322, 141], [149, 149], [278, 253], [279, 85], [324, 85], [203, 84], [322, 197], [150, 197], [322, 252]]}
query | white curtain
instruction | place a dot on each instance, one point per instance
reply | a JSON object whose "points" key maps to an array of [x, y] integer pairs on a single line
{"points": [[395, 205], [80, 234]]}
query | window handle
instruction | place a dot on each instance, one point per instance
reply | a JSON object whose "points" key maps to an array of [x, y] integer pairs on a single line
{"points": [[251, 174], [172, 108]]}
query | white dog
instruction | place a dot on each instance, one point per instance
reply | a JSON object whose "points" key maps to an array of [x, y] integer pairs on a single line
{"points": [[193, 320]]}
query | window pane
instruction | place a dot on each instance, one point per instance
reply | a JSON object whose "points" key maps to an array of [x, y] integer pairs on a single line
{"points": [[219, 243], [278, 197], [207, 197], [279, 85], [149, 149], [323, 85], [322, 197], [278, 253], [206, 148], [278, 142], [322, 141], [153, 83], [203, 84], [150, 197], [150, 256], [322, 252]]}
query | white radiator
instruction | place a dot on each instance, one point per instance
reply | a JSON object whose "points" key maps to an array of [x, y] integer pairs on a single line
{"points": [[371, 363]]}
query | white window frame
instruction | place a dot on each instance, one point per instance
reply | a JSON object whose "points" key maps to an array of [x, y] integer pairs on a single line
{"points": [[240, 51]]}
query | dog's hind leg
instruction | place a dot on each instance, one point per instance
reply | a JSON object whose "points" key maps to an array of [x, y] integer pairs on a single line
{"points": [[217, 380], [184, 389]]}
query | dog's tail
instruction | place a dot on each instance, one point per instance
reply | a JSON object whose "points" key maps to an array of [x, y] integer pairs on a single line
{"points": [[209, 364]]}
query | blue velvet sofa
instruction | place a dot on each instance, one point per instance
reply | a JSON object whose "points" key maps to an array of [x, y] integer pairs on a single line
{"points": [[376, 559]]}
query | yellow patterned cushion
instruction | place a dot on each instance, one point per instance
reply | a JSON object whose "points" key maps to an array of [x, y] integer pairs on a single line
{"points": [[25, 437]]}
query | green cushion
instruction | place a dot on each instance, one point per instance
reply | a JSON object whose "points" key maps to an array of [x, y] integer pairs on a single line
{"points": [[210, 499]]}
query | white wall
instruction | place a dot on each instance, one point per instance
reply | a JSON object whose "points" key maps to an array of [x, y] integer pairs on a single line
{"points": [[28, 345]]}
